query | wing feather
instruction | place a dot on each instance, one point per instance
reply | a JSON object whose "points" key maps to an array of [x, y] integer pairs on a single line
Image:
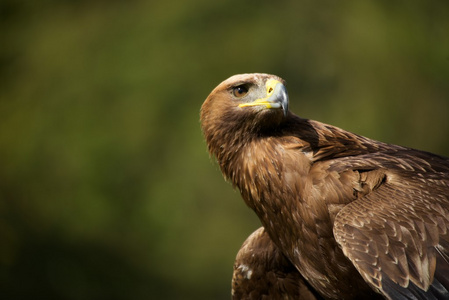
{"points": [[396, 236], [261, 271]]}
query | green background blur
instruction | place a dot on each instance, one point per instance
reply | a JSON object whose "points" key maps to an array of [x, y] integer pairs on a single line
{"points": [[106, 188]]}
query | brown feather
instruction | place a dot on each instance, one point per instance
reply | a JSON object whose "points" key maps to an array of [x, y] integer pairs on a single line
{"points": [[261, 271], [354, 216]]}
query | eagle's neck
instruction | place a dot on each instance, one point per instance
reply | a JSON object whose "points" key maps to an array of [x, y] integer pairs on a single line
{"points": [[273, 174]]}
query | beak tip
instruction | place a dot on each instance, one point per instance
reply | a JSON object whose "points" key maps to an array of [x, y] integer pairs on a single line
{"points": [[284, 101]]}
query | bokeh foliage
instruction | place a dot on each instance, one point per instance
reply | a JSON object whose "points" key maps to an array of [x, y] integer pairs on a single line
{"points": [[106, 187]]}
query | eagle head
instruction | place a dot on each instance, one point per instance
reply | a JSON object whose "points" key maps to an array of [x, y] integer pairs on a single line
{"points": [[245, 103]]}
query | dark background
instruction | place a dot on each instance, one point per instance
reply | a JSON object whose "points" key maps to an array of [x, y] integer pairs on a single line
{"points": [[106, 188]]}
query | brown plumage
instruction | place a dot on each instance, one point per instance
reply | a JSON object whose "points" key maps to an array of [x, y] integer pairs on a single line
{"points": [[261, 271], [355, 218]]}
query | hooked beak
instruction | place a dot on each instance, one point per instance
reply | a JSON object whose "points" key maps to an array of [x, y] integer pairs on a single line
{"points": [[277, 97]]}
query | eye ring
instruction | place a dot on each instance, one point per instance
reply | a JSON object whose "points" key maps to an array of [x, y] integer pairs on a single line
{"points": [[240, 91]]}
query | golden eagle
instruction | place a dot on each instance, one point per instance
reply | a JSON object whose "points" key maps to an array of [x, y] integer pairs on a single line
{"points": [[344, 216]]}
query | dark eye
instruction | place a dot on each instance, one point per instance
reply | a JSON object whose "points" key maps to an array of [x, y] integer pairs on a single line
{"points": [[240, 91]]}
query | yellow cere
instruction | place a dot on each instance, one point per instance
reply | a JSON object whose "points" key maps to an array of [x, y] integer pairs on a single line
{"points": [[270, 85]]}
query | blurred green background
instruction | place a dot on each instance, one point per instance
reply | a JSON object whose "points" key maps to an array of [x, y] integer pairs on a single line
{"points": [[106, 188]]}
